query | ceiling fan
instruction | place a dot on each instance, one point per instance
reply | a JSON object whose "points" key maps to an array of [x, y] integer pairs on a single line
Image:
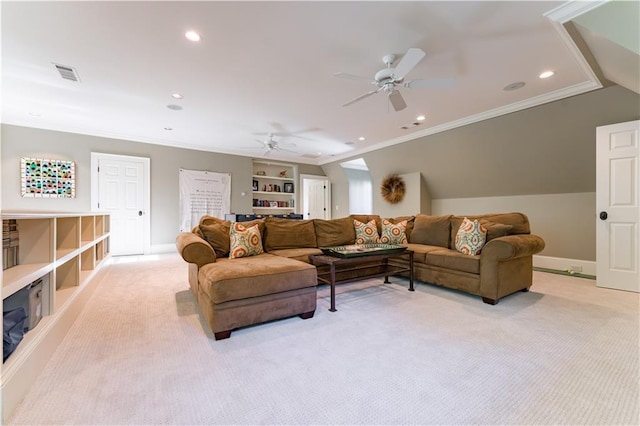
{"points": [[388, 78], [272, 145]]}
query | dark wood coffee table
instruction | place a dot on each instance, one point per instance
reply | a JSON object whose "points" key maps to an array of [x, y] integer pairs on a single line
{"points": [[326, 266]]}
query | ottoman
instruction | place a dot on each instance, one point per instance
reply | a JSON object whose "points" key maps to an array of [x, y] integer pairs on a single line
{"points": [[234, 293]]}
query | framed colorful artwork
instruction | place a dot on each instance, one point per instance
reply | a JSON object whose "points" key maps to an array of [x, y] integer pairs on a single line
{"points": [[47, 178]]}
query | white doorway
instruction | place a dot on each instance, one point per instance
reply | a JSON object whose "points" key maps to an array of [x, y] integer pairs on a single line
{"points": [[618, 215], [121, 187], [316, 197]]}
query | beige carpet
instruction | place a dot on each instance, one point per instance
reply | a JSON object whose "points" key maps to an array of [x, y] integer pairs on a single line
{"points": [[565, 353]]}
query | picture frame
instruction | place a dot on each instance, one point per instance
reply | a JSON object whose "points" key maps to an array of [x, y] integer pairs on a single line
{"points": [[273, 204], [254, 186], [288, 187]]}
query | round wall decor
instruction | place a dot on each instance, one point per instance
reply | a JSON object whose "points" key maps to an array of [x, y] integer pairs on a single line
{"points": [[393, 189]]}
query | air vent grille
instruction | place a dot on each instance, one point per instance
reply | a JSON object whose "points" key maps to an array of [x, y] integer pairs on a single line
{"points": [[309, 156], [66, 72]]}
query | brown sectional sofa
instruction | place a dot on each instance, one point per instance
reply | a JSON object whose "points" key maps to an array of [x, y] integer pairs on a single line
{"points": [[233, 293]]}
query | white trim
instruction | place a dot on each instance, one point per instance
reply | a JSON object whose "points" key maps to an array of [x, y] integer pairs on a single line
{"points": [[564, 264], [146, 165], [572, 9]]}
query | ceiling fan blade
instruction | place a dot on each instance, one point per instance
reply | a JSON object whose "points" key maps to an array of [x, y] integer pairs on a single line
{"points": [[430, 83], [408, 61], [397, 101], [353, 77], [366, 95]]}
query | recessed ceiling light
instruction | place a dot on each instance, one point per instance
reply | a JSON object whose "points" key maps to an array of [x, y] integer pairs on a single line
{"points": [[174, 107], [176, 96], [514, 86], [546, 74], [192, 35], [361, 138], [420, 117]]}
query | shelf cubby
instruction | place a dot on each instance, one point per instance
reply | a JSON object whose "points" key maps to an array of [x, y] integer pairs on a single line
{"points": [[87, 231], [67, 236]]}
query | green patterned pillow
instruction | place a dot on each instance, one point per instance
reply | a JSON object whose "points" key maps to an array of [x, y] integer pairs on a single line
{"points": [[244, 242], [393, 233], [366, 233], [470, 237]]}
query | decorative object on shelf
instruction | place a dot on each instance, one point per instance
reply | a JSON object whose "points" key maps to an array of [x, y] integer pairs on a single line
{"points": [[254, 186], [273, 204], [47, 178], [261, 173], [288, 187], [393, 189], [283, 174]]}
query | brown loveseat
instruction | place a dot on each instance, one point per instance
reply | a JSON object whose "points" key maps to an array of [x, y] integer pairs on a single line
{"points": [[236, 292]]}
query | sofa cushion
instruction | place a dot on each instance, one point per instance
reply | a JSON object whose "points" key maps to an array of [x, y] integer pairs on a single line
{"points": [[244, 242], [495, 230], [334, 232], [452, 259], [410, 222], [301, 254], [471, 237], [366, 233], [420, 251], [393, 233], [288, 233], [217, 235], [235, 279], [431, 230]]}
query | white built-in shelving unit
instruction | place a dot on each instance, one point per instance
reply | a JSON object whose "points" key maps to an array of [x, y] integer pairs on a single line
{"points": [[70, 253], [275, 191]]}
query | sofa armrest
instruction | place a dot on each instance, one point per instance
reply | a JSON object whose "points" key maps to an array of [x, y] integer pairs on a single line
{"points": [[506, 265], [194, 249], [511, 247]]}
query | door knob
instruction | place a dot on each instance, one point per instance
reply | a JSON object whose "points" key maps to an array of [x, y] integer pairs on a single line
{"points": [[603, 215], [140, 213]]}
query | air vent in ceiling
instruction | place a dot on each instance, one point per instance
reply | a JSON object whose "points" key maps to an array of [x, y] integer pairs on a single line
{"points": [[68, 73], [309, 156]]}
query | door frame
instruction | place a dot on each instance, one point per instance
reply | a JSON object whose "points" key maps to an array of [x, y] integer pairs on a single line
{"points": [[146, 189], [327, 194]]}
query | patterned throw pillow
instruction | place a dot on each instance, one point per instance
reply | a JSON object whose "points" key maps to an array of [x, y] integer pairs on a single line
{"points": [[366, 233], [393, 233], [470, 237], [244, 241]]}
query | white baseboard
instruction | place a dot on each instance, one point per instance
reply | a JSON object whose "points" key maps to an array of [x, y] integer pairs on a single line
{"points": [[163, 248], [586, 267]]}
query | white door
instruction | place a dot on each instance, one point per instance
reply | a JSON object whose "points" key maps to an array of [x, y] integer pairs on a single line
{"points": [[617, 194], [122, 183], [316, 197]]}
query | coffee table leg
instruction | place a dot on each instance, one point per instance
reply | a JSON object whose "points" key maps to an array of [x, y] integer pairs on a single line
{"points": [[333, 287], [385, 262], [411, 272]]}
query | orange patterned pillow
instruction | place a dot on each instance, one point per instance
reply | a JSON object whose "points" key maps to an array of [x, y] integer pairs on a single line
{"points": [[244, 242], [393, 233], [470, 237], [366, 233]]}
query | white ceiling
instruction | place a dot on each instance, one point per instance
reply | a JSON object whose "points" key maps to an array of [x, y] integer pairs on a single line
{"points": [[268, 67]]}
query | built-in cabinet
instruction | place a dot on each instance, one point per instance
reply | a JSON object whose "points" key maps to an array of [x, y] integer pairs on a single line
{"points": [[69, 252], [274, 187]]}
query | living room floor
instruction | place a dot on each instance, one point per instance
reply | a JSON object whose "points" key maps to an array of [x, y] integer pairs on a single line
{"points": [[564, 353]]}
